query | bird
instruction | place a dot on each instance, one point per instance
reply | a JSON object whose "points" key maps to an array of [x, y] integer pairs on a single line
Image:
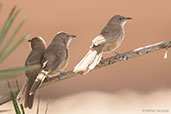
{"points": [[55, 58], [38, 47], [107, 41]]}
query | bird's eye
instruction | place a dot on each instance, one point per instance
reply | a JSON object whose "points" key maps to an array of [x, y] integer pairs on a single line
{"points": [[120, 18]]}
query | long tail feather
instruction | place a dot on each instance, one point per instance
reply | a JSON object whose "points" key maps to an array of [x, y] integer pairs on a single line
{"points": [[89, 62], [29, 101], [96, 61], [39, 80]]}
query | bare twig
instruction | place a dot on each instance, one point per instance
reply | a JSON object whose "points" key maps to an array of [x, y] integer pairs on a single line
{"points": [[108, 61]]}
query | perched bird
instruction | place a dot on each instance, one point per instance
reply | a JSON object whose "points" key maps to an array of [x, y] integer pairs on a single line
{"points": [[55, 58], [108, 40], [38, 47]]}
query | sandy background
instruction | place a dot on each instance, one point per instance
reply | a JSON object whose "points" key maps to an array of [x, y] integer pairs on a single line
{"points": [[123, 102], [85, 18]]}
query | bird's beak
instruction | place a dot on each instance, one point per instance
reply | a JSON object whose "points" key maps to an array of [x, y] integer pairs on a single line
{"points": [[128, 18], [29, 40], [71, 36]]}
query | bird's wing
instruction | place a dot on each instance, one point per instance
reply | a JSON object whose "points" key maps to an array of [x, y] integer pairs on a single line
{"points": [[34, 58], [54, 59], [106, 36], [58, 61], [98, 40], [111, 33]]}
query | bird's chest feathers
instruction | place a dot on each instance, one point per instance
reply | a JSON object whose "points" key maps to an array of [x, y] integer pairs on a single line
{"points": [[114, 44]]}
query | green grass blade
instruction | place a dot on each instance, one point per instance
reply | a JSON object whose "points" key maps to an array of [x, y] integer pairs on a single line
{"points": [[8, 77], [5, 90], [22, 108], [18, 87], [47, 107], [18, 69], [17, 110], [38, 104], [12, 12], [0, 7], [13, 72], [11, 37], [4, 56], [8, 24]]}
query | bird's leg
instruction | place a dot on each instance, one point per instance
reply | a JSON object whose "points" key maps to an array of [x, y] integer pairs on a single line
{"points": [[60, 75], [102, 58], [47, 78]]}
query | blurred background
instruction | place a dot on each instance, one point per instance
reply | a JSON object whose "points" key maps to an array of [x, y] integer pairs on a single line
{"points": [[85, 18]]}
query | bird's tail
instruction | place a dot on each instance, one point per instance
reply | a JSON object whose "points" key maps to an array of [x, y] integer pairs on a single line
{"points": [[23, 96], [29, 100], [89, 62], [38, 82]]}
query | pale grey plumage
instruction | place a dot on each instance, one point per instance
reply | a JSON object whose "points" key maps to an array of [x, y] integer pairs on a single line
{"points": [[108, 40], [35, 57], [55, 58]]}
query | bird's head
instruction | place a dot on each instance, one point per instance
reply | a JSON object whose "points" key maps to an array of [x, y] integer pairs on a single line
{"points": [[66, 38], [37, 42], [118, 19]]}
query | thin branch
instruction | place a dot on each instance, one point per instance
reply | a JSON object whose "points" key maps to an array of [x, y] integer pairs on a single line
{"points": [[108, 61], [114, 59]]}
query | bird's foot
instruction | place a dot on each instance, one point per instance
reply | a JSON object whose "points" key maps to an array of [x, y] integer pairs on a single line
{"points": [[102, 59], [47, 78], [60, 75]]}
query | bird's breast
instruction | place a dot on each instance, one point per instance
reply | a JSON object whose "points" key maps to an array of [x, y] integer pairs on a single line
{"points": [[64, 65], [109, 47]]}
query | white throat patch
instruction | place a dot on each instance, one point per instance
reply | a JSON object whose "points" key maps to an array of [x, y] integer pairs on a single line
{"points": [[69, 41], [122, 24]]}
